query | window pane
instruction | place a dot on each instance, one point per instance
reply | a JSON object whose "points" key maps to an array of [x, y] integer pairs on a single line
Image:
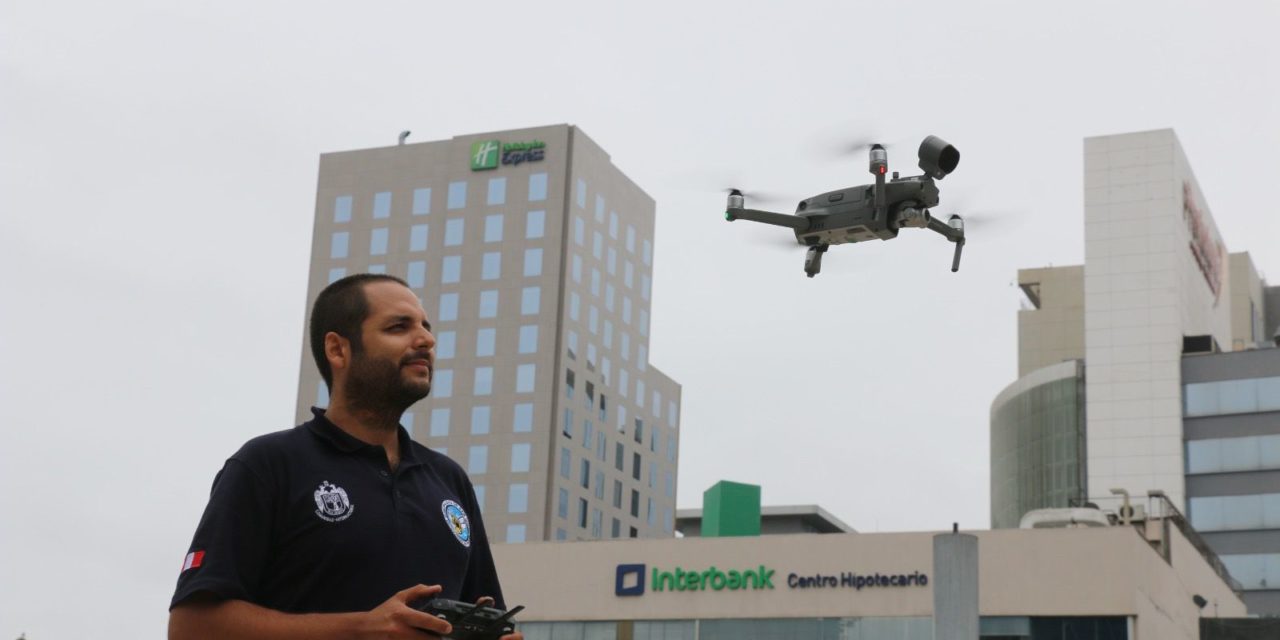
{"points": [[451, 269], [442, 383], [342, 209], [484, 381], [515, 533], [418, 237], [406, 421], [1237, 396], [446, 344], [416, 274], [457, 195], [493, 228], [448, 307], [336, 274], [520, 457], [453, 232], [440, 422], [489, 304], [631, 239], [579, 230], [480, 420], [478, 459], [485, 339], [523, 420], [613, 225], [533, 262], [1269, 394], [338, 244], [597, 245], [530, 298], [537, 187], [518, 498], [377, 268], [582, 193], [529, 339], [647, 253], [1239, 454], [535, 224], [525, 378], [382, 204], [562, 504], [322, 394], [497, 191], [491, 267], [422, 201]]}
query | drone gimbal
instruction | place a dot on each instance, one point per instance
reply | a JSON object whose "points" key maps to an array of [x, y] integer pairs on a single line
{"points": [[868, 212]]}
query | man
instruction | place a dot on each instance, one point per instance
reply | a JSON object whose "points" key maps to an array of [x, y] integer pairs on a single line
{"points": [[335, 528]]}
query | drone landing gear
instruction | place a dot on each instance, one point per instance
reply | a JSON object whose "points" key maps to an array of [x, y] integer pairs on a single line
{"points": [[813, 259]]}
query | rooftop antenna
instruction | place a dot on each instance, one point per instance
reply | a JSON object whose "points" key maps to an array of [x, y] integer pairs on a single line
{"points": [[403, 134]]}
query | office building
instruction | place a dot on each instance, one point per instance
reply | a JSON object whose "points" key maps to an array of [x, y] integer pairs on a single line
{"points": [[533, 256], [1118, 359]]}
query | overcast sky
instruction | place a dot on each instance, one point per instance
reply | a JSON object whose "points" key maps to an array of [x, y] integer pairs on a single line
{"points": [[157, 189]]}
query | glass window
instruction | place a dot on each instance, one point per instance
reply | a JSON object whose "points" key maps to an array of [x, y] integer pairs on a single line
{"points": [[579, 230], [613, 225], [448, 307], [617, 494], [567, 428], [497, 191], [533, 262], [597, 245], [582, 513], [522, 422], [406, 421], [642, 357], [478, 459], [479, 488], [322, 394], [529, 338], [626, 345], [582, 193], [480, 420], [454, 231], [600, 207], [489, 304], [574, 306], [537, 187], [416, 274], [623, 381], [535, 223], [451, 269], [593, 319], [442, 383], [493, 228], [515, 533], [608, 336], [1237, 396], [440, 421], [635, 503], [457, 195], [485, 339], [530, 298], [525, 378], [595, 282], [609, 293], [595, 522], [520, 457], [618, 456], [616, 531], [491, 266], [585, 478], [336, 274], [576, 269], [518, 498], [647, 253], [342, 209], [560, 535], [626, 309], [635, 465], [338, 244], [644, 322], [1240, 454], [631, 239], [378, 242], [566, 462], [562, 503], [573, 343], [484, 381], [382, 205], [377, 268], [418, 237], [422, 201], [446, 345], [1269, 394]]}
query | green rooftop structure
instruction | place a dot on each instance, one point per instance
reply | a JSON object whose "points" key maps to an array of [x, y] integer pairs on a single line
{"points": [[731, 509]]}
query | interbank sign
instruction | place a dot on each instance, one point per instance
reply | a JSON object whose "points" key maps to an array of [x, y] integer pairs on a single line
{"points": [[487, 154], [630, 580]]}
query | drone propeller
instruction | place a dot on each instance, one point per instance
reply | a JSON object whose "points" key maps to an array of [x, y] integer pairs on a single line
{"points": [[758, 196]]}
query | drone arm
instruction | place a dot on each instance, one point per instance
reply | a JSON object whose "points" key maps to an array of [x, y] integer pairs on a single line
{"points": [[953, 230], [768, 217]]}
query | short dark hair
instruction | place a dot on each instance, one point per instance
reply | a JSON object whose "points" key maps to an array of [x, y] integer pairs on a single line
{"points": [[342, 308]]}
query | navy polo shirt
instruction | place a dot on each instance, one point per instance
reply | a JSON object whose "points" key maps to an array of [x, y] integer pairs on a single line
{"points": [[313, 520]]}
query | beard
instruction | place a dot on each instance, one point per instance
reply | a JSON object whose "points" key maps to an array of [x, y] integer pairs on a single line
{"points": [[378, 386]]}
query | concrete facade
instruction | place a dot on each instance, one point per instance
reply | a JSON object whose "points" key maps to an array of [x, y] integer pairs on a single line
{"points": [[536, 272], [1107, 572]]}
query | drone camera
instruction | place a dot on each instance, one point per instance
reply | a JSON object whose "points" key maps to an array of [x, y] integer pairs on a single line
{"points": [[937, 157]]}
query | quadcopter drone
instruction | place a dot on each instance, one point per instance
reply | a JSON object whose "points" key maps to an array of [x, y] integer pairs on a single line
{"points": [[868, 212]]}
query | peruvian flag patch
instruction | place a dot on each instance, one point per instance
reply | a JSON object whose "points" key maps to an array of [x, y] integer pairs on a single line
{"points": [[193, 560]]}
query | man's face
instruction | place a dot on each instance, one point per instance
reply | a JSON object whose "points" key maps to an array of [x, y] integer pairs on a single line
{"points": [[392, 367]]}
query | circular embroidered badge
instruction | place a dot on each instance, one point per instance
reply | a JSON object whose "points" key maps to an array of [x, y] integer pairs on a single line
{"points": [[457, 520]]}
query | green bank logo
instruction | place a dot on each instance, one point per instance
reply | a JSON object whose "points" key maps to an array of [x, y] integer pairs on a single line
{"points": [[631, 579], [485, 154]]}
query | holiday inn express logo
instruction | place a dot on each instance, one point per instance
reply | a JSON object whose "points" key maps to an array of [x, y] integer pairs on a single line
{"points": [[488, 154], [484, 154]]}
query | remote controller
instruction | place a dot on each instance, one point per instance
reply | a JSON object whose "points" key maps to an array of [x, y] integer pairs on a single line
{"points": [[469, 621]]}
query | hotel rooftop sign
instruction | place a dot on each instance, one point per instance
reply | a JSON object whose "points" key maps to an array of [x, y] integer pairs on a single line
{"points": [[488, 154]]}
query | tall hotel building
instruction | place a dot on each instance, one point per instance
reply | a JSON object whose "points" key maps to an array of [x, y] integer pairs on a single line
{"points": [[533, 256], [1151, 368]]}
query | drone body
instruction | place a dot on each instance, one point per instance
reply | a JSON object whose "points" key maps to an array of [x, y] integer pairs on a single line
{"points": [[867, 212]]}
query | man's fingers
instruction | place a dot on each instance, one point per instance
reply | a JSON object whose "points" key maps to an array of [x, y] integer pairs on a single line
{"points": [[426, 622], [485, 601], [418, 592]]}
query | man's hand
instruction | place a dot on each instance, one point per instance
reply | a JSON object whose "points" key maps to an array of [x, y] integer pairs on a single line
{"points": [[396, 619]]}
